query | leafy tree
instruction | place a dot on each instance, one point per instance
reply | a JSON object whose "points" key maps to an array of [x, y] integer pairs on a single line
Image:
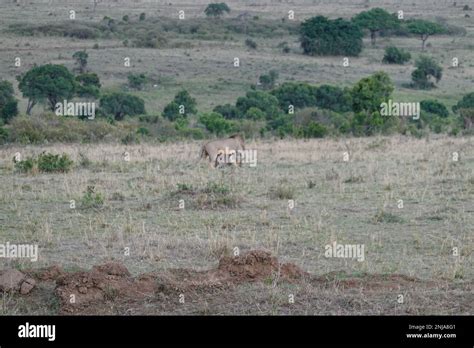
{"points": [[228, 111], [120, 105], [181, 106], [47, 83], [368, 93], [8, 103], [216, 10], [333, 98], [425, 69], [81, 60], [322, 36], [216, 123], [171, 111], [375, 20], [268, 80], [88, 85], [299, 95], [136, 81], [434, 107], [424, 29], [367, 96], [254, 114], [311, 130], [394, 55], [261, 100], [467, 102]]}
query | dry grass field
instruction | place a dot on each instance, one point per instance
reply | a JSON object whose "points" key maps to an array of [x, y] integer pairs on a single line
{"points": [[172, 221], [351, 202]]}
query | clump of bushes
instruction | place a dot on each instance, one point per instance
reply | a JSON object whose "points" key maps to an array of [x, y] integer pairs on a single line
{"points": [[394, 55], [45, 163], [92, 199]]}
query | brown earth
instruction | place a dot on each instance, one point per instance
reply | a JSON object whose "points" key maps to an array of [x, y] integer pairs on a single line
{"points": [[110, 286]]}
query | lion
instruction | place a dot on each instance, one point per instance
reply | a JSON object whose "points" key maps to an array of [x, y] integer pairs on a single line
{"points": [[217, 150]]}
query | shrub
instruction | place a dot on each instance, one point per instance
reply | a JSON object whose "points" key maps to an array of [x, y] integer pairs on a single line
{"points": [[322, 36], [181, 106], [267, 81], [216, 123], [299, 95], [251, 44], [8, 103], [228, 111], [92, 199], [426, 68], [120, 105], [142, 16], [312, 130], [333, 98], [216, 10], [467, 102], [51, 163], [136, 81], [434, 107], [25, 166], [261, 100], [394, 55]]}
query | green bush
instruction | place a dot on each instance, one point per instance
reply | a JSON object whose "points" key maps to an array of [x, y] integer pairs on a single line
{"points": [[50, 163], [92, 199], [120, 105], [251, 44], [333, 98], [8, 103], [261, 100], [321, 36], [137, 81], [467, 102], [434, 107], [394, 55], [25, 166], [298, 94], [426, 68], [216, 123], [228, 111]]}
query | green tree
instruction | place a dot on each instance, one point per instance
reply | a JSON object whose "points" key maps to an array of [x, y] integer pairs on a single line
{"points": [[216, 123], [322, 36], [181, 106], [136, 81], [424, 29], [467, 102], [375, 20], [8, 103], [426, 68], [88, 85], [47, 84], [367, 96], [228, 111], [268, 80], [333, 98], [300, 95], [434, 107], [216, 10], [81, 60], [394, 55], [261, 100], [120, 105]]}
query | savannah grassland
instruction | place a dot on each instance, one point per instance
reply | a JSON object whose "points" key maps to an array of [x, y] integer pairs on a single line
{"points": [[408, 250]]}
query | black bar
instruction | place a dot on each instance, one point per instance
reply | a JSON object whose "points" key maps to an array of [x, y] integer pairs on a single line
{"points": [[195, 330]]}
